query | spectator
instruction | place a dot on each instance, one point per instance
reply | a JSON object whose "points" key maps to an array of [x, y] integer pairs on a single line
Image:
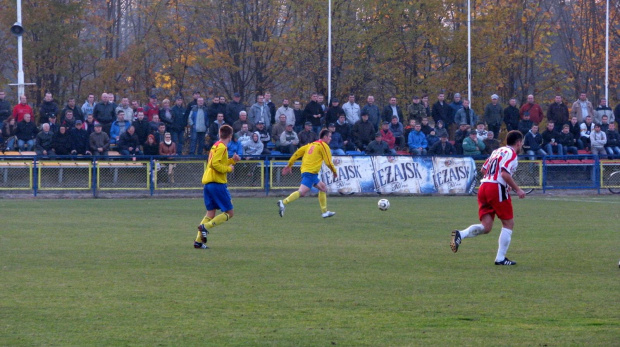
{"points": [[558, 112], [160, 134], [214, 109], [493, 115], [154, 124], [417, 141], [118, 127], [352, 110], [490, 143], [427, 105], [142, 127], [299, 116], [616, 113], [446, 113], [26, 133], [99, 141], [150, 147], [71, 106], [603, 110], [387, 136], [456, 104], [440, 129], [194, 102], [582, 108], [128, 111], [278, 129], [5, 107], [313, 113], [197, 120], [511, 115], [89, 124], [460, 136], [344, 129], [179, 123], [61, 142], [466, 115], [363, 132], [307, 135], [432, 138], [416, 110], [550, 140], [54, 124], [243, 119], [9, 129], [288, 112], [598, 140], [575, 130], [254, 147], [214, 130], [129, 145], [264, 136], [378, 146], [525, 124], [151, 108], [89, 105], [289, 140], [233, 109], [333, 111], [613, 141], [397, 130], [472, 146], [104, 113], [167, 148], [392, 109], [80, 139], [165, 114], [586, 129], [567, 140], [481, 131], [336, 144], [234, 147], [244, 135], [112, 99], [260, 112], [410, 127], [222, 108], [533, 109], [443, 147], [271, 106], [532, 144], [43, 142], [48, 108], [374, 116], [69, 121], [320, 98], [604, 123], [21, 109], [426, 129]]}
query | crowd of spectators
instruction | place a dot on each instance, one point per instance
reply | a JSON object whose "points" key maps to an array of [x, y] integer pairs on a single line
{"points": [[263, 128]]}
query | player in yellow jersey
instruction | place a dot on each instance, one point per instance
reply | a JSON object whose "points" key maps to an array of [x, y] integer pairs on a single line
{"points": [[216, 195], [314, 154]]}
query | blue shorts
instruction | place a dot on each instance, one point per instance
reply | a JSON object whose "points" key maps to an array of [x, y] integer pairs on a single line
{"points": [[217, 197], [309, 179]]}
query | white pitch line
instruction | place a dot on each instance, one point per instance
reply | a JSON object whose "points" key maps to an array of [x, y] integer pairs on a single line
{"points": [[584, 200]]}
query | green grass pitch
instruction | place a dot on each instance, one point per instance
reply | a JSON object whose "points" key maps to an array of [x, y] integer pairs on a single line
{"points": [[124, 273]]}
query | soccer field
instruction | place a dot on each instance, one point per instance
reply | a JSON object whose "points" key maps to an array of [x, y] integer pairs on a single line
{"points": [[124, 272]]}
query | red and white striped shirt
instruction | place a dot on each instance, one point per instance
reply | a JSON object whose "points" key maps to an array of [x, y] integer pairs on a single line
{"points": [[503, 158]]}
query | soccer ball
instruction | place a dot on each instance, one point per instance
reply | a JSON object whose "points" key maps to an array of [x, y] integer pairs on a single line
{"points": [[383, 204]]}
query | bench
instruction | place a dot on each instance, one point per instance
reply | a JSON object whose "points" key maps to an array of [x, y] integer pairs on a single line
{"points": [[61, 165], [6, 165], [120, 165]]}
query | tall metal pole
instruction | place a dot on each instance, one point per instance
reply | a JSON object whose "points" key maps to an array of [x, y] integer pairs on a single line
{"points": [[469, 52], [607, 55], [329, 53], [20, 59]]}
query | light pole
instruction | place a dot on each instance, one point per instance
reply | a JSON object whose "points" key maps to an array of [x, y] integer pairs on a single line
{"points": [[329, 52], [469, 52], [607, 55], [18, 31]]}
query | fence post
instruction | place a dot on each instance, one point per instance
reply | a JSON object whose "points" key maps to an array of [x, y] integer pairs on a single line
{"points": [[152, 176], [544, 175], [35, 176], [267, 175], [94, 177], [597, 174]]}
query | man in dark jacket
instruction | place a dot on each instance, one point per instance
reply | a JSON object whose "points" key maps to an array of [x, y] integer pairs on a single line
{"points": [[128, 142], [558, 113], [142, 127], [104, 113], [26, 133], [443, 147], [77, 111], [192, 103], [511, 115], [177, 129], [493, 114], [5, 107], [44, 141], [344, 129], [313, 113], [532, 144], [442, 111], [525, 124], [79, 139], [61, 142], [233, 108], [307, 135], [48, 108], [550, 136], [363, 132], [392, 109], [377, 146]]}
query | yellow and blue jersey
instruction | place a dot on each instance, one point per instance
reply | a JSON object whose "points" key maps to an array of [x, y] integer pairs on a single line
{"points": [[314, 154], [218, 165]]}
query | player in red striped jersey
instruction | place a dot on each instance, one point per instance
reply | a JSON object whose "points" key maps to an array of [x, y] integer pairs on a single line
{"points": [[494, 198]]}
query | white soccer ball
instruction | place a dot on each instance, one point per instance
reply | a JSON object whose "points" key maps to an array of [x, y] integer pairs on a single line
{"points": [[383, 204]]}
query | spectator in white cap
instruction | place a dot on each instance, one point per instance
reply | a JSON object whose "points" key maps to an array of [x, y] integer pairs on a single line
{"points": [[493, 114]]}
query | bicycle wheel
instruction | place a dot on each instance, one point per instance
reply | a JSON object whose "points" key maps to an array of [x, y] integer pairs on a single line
{"points": [[614, 180]]}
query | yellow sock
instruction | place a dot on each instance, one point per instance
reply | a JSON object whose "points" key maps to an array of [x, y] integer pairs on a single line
{"points": [[199, 235], [294, 196], [219, 219], [323, 201]]}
